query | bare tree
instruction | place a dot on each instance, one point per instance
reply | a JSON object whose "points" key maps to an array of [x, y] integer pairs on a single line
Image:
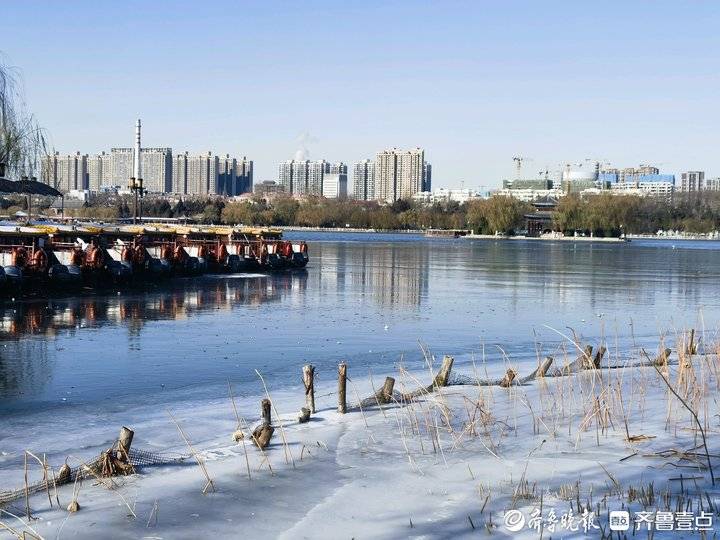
{"points": [[22, 140]]}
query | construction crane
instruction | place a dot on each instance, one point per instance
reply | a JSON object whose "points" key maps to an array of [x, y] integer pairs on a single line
{"points": [[518, 164]]}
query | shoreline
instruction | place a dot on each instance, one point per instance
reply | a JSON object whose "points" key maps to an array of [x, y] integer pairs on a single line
{"points": [[421, 232], [548, 239], [455, 459]]}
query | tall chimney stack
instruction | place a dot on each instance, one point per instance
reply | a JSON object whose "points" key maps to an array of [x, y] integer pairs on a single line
{"points": [[136, 164]]}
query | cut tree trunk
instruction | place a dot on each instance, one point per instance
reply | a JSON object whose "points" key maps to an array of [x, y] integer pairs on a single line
{"points": [[262, 434], [508, 379], [342, 387], [265, 408], [309, 383]]}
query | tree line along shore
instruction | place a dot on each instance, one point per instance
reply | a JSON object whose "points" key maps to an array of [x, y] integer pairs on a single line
{"points": [[599, 215]]}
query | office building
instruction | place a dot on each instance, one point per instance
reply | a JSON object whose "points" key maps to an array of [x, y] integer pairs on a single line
{"points": [[364, 180], [335, 185]]}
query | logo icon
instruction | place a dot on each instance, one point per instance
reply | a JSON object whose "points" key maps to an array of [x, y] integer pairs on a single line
{"points": [[514, 520], [619, 520]]}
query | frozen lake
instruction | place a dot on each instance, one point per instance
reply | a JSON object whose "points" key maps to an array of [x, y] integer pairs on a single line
{"points": [[368, 299]]}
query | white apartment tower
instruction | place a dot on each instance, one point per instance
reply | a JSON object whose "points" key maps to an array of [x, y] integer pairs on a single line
{"points": [[364, 180], [156, 169], [202, 174], [65, 173], [179, 174], [95, 171], [121, 166], [399, 174], [304, 177]]}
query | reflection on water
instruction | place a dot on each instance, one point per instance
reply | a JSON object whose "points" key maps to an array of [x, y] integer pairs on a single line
{"points": [[173, 301], [365, 299]]}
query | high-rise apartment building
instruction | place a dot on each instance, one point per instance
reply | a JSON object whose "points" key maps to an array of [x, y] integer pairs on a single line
{"points": [[227, 179], [427, 177], [179, 174], [202, 174], [121, 166], [285, 176], [692, 181], [244, 176], [234, 176], [95, 171], [364, 180], [304, 177], [65, 173], [399, 174], [156, 169]]}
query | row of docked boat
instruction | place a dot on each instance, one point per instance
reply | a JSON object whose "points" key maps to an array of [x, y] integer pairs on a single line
{"points": [[35, 255]]}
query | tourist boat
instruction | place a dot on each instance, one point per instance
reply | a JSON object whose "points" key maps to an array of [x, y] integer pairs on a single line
{"points": [[41, 254], [22, 255], [261, 248]]}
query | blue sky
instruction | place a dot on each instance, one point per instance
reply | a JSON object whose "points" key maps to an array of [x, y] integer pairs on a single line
{"points": [[474, 83]]}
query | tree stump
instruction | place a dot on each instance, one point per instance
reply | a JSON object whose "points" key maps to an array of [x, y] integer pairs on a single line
{"points": [[342, 387], [586, 359], [125, 440], [262, 434], [508, 379], [386, 392], [662, 358], [309, 383], [265, 412], [443, 376], [599, 356]]}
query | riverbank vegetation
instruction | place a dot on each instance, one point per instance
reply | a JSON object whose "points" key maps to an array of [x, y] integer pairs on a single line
{"points": [[601, 215]]}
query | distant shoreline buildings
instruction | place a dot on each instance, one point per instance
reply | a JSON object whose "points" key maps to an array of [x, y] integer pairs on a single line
{"points": [[644, 180], [183, 174], [394, 174]]}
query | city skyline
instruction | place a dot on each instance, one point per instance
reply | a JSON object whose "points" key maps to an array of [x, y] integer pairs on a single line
{"points": [[476, 85]]}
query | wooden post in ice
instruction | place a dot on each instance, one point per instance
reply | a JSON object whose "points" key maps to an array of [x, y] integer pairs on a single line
{"points": [[125, 442], [387, 390], [443, 376], [342, 386], [309, 383], [265, 412], [599, 356], [691, 348]]}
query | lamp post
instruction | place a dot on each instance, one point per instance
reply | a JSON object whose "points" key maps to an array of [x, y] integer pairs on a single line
{"points": [[136, 186]]}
